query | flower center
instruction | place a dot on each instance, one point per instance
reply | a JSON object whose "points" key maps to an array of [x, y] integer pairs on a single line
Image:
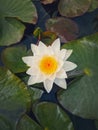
{"points": [[48, 65]]}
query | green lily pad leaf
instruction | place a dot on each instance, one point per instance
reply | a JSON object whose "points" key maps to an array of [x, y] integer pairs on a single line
{"points": [[73, 8], [52, 117], [12, 58], [26, 123], [81, 96], [14, 99], [11, 13], [35, 94], [65, 28], [93, 6], [11, 31], [4, 124]]}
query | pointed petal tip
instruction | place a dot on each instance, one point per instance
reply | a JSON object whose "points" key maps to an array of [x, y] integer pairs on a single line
{"points": [[24, 59], [68, 53], [68, 66], [29, 83], [48, 84], [65, 87], [61, 83], [33, 45], [56, 44], [33, 48], [75, 65], [41, 44], [48, 91]]}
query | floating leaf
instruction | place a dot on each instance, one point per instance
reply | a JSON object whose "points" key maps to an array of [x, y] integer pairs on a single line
{"points": [[14, 99], [73, 8], [26, 123], [4, 124], [52, 117], [11, 31], [65, 28], [35, 93], [12, 58], [11, 13], [81, 97]]}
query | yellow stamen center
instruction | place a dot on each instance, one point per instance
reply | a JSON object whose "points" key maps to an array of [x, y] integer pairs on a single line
{"points": [[48, 65]]}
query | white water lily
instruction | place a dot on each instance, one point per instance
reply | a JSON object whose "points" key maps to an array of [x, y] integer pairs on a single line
{"points": [[48, 65]]}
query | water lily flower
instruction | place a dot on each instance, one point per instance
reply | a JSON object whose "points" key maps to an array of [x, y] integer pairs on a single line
{"points": [[49, 65]]}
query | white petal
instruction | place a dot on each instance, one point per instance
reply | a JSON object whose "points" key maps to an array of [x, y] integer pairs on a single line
{"points": [[31, 80], [61, 74], [48, 84], [61, 83], [42, 45], [68, 53], [62, 53], [52, 77], [35, 79], [34, 49], [61, 63], [43, 49], [28, 60], [56, 45], [33, 71], [69, 66], [50, 51]]}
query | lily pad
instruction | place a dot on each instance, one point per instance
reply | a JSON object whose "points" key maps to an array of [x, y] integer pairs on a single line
{"points": [[26, 123], [11, 13], [52, 117], [12, 58], [81, 97], [35, 94], [14, 99], [4, 124], [73, 8], [65, 28]]}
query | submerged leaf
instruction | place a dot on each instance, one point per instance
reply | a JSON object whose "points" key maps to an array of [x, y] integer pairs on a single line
{"points": [[65, 28], [73, 8]]}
